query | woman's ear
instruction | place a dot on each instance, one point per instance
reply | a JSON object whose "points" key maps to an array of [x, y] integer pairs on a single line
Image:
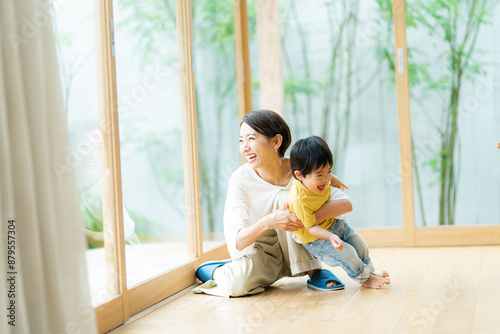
{"points": [[278, 140], [297, 174]]}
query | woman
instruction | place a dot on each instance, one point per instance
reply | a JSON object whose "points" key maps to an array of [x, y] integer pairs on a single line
{"points": [[256, 220]]}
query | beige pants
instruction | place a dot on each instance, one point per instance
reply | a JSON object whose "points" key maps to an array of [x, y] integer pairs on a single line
{"points": [[276, 256]]}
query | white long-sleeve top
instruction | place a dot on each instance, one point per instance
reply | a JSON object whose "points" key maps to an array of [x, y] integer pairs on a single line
{"points": [[249, 198]]}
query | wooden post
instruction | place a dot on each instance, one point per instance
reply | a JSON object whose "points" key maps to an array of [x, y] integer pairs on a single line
{"points": [[243, 76], [272, 91], [405, 145], [189, 129], [112, 205]]}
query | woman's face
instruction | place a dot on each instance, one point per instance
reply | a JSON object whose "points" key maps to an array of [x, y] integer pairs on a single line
{"points": [[255, 147]]}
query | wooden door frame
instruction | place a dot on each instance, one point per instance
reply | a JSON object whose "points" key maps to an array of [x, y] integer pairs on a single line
{"points": [[115, 311], [409, 234], [138, 298], [131, 301]]}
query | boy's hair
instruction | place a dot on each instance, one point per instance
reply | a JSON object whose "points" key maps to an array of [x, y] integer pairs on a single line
{"points": [[309, 154], [269, 124]]}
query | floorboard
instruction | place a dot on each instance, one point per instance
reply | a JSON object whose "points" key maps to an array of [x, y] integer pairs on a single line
{"points": [[433, 290]]}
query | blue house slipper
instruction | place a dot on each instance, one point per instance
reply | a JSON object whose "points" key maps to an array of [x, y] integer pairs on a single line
{"points": [[205, 272], [321, 277]]}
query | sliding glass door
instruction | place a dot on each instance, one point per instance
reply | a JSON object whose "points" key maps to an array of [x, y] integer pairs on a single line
{"points": [[453, 57], [127, 70], [74, 33], [405, 94], [152, 92], [154, 210], [339, 86], [217, 110]]}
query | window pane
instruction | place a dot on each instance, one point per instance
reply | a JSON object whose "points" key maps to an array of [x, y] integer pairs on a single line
{"points": [[217, 108], [340, 86], [150, 138], [254, 52], [454, 75], [74, 32]]}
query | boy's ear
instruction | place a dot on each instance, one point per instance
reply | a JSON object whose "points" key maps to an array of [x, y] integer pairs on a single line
{"points": [[297, 174]]}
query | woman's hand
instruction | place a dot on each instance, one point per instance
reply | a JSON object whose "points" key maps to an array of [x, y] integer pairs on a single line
{"points": [[285, 220], [281, 219], [335, 181]]}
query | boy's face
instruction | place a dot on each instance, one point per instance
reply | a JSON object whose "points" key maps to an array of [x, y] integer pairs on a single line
{"points": [[317, 180]]}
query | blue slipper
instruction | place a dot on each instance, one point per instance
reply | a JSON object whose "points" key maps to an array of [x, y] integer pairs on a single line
{"points": [[205, 272], [321, 277]]}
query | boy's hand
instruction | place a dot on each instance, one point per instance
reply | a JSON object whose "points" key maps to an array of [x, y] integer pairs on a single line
{"points": [[337, 243], [335, 181]]}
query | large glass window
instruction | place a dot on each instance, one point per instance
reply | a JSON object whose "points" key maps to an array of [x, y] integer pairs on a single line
{"points": [[453, 57], [217, 110], [338, 67], [74, 34], [339, 86], [148, 94], [253, 52]]}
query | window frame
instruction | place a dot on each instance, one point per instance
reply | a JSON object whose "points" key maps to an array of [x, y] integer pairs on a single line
{"points": [[138, 298], [131, 301]]}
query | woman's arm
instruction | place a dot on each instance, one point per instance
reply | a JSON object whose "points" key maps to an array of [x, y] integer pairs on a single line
{"points": [[248, 235], [332, 209], [281, 219]]}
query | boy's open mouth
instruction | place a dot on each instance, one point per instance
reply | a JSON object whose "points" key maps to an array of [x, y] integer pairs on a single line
{"points": [[321, 187]]}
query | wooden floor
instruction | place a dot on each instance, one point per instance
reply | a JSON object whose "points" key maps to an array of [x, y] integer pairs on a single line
{"points": [[433, 290]]}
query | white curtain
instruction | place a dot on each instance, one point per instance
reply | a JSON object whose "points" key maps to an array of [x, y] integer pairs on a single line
{"points": [[50, 280]]}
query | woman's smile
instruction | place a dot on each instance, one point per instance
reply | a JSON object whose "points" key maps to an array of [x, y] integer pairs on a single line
{"points": [[251, 157]]}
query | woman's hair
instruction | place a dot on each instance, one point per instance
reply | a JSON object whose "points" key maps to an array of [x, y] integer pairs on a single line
{"points": [[269, 124], [309, 154]]}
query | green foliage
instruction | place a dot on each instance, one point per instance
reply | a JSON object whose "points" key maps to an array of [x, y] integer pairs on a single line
{"points": [[149, 23], [300, 86], [385, 10], [454, 25], [255, 83], [252, 18], [214, 23], [160, 147], [64, 39], [213, 33], [133, 137], [152, 23], [92, 222]]}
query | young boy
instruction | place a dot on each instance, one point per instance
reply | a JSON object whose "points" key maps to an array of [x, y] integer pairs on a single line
{"points": [[332, 241]]}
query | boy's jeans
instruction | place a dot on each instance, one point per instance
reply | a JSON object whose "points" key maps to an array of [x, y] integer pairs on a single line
{"points": [[354, 258]]}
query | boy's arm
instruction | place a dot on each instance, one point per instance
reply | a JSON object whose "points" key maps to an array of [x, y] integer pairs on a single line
{"points": [[321, 233], [306, 215]]}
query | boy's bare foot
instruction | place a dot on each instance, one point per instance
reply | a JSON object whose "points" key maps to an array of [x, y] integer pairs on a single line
{"points": [[375, 282], [383, 274]]}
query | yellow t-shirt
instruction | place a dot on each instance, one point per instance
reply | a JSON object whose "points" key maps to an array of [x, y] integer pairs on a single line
{"points": [[304, 203]]}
